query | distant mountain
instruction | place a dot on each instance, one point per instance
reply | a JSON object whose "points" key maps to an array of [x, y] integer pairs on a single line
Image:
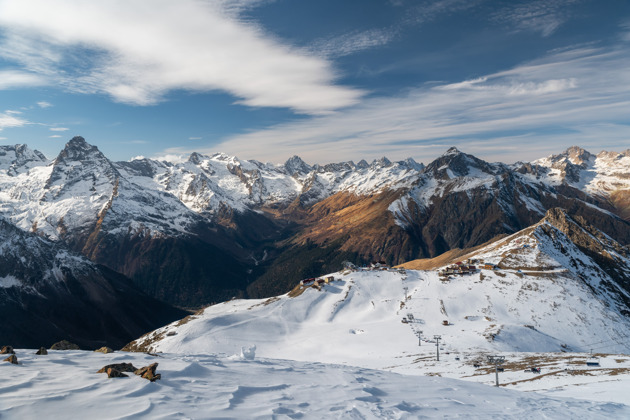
{"points": [[216, 227], [48, 293], [558, 285]]}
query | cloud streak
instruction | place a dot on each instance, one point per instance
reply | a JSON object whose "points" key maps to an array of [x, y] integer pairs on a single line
{"points": [[138, 51], [564, 99], [9, 119]]}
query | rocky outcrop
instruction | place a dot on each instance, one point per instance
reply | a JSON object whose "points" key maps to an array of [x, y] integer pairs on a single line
{"points": [[7, 350], [64, 345], [42, 351], [11, 359], [148, 372], [104, 350], [120, 367]]}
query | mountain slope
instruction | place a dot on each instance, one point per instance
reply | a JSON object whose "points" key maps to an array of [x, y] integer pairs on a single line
{"points": [[548, 295], [48, 294]]}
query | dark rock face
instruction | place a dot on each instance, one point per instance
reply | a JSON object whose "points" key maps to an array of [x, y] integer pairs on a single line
{"points": [[61, 295], [42, 351]]}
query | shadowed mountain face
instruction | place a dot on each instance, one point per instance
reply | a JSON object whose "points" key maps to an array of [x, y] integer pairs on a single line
{"points": [[48, 294], [215, 227]]}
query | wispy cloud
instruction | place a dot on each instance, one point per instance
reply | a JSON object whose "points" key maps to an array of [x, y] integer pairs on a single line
{"points": [[59, 129], [55, 136], [544, 16], [194, 138], [138, 51], [11, 79], [10, 120], [353, 42], [416, 14], [44, 104], [579, 96]]}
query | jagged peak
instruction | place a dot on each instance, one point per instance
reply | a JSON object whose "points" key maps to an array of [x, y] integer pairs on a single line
{"points": [[458, 163], [381, 163], [295, 165], [412, 164], [79, 149], [196, 158], [577, 155], [452, 151], [362, 164]]}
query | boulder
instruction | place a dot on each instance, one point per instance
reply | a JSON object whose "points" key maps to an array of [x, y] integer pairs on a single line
{"points": [[11, 359], [115, 373], [104, 350], [148, 372], [120, 367], [42, 351], [64, 345], [7, 350]]}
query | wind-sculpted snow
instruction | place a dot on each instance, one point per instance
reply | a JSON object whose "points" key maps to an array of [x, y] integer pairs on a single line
{"points": [[65, 383]]}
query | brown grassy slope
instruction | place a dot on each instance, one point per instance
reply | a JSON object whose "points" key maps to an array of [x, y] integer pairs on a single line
{"points": [[364, 222], [620, 199], [449, 257]]}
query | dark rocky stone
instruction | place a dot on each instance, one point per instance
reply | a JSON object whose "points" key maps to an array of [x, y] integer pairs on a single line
{"points": [[11, 359], [42, 351], [120, 367], [148, 372], [115, 373], [7, 350], [64, 345]]}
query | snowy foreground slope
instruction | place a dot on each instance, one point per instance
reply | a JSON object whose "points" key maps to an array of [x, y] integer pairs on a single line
{"points": [[64, 384]]}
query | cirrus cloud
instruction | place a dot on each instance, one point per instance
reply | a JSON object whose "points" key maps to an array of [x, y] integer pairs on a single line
{"points": [[579, 96]]}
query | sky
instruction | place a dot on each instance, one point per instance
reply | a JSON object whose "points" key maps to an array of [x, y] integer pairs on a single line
{"points": [[327, 80]]}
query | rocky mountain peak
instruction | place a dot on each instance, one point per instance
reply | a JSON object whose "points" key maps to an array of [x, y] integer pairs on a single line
{"points": [[362, 164], [296, 166], [13, 159], [81, 162], [381, 163], [77, 149], [195, 158], [412, 164], [454, 163], [452, 151], [577, 156]]}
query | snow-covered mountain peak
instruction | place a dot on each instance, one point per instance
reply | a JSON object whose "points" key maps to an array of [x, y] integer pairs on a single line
{"points": [[454, 164], [605, 174], [296, 166], [19, 158], [451, 151], [412, 164], [381, 163], [577, 155]]}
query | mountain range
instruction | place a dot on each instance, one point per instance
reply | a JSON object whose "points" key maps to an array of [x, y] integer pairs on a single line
{"points": [[211, 228]]}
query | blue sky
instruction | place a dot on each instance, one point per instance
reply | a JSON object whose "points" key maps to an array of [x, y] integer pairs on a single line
{"points": [[326, 80]]}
